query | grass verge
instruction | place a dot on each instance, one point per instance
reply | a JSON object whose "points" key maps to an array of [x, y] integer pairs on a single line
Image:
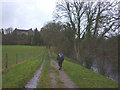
{"points": [[45, 78], [84, 77], [19, 75]]}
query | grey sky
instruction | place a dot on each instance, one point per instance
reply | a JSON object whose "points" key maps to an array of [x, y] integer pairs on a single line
{"points": [[25, 15]]}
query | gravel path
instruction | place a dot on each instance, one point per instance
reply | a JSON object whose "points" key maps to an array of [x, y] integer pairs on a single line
{"points": [[36, 78], [64, 78], [67, 81]]}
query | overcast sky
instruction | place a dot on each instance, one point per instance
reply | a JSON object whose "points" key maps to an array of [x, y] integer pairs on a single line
{"points": [[25, 15]]}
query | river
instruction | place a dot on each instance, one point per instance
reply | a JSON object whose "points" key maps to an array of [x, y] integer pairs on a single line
{"points": [[106, 67]]}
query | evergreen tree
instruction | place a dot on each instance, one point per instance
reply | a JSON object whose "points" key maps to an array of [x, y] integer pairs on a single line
{"points": [[2, 31], [36, 37]]}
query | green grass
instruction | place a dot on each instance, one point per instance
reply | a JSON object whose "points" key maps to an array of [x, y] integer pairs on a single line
{"points": [[45, 81], [54, 56], [23, 53], [45, 78], [84, 77], [20, 74]]}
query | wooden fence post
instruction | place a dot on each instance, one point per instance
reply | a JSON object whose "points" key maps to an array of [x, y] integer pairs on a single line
{"points": [[6, 60], [23, 57], [16, 58]]}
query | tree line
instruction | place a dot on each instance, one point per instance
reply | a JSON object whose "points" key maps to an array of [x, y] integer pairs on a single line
{"points": [[9, 37]]}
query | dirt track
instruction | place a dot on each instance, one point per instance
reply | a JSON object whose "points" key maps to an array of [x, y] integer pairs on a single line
{"points": [[59, 79], [65, 79]]}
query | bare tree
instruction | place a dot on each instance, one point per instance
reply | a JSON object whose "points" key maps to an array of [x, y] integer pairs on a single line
{"points": [[102, 18], [9, 30], [87, 19]]}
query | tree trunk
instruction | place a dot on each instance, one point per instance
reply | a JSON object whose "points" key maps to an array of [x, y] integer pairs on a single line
{"points": [[77, 49]]}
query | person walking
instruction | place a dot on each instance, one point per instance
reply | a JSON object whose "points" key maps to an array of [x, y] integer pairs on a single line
{"points": [[60, 59]]}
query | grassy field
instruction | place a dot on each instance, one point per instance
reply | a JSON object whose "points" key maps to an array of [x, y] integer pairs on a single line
{"points": [[84, 77], [20, 74], [23, 53]]}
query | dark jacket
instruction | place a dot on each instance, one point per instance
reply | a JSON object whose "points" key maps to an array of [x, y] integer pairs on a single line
{"points": [[60, 57]]}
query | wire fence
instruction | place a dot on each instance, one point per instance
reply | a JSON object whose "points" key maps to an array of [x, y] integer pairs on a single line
{"points": [[9, 59]]}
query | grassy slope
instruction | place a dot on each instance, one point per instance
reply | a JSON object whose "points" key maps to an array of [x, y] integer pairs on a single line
{"points": [[84, 77], [45, 78], [19, 75], [24, 52]]}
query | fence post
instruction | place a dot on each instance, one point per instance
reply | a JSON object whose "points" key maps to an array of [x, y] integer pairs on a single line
{"points": [[6, 60], [23, 57], [16, 58]]}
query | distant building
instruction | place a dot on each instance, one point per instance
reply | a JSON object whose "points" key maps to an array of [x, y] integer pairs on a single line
{"points": [[21, 31]]}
